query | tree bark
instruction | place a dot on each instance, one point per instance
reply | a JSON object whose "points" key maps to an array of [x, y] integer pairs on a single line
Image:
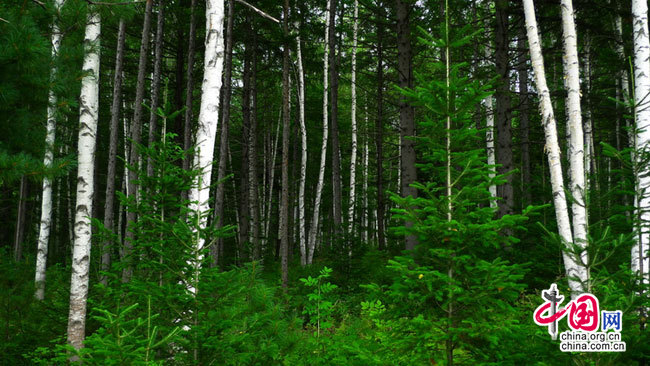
{"points": [[366, 151], [109, 210], [408, 173], [640, 256], [189, 89], [244, 209], [46, 200], [334, 124], [504, 129], [313, 231], [155, 83], [574, 269], [207, 127], [379, 132], [524, 122], [88, 117], [223, 141], [303, 153], [136, 134], [252, 174], [19, 233], [284, 203], [576, 142]]}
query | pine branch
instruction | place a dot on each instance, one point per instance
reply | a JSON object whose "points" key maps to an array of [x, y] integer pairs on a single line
{"points": [[258, 11]]}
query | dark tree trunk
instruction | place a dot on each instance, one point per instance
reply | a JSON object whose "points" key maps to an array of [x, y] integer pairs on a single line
{"points": [[406, 112], [524, 108], [114, 127], [180, 63], [136, 134], [379, 133], [19, 234], [246, 117], [155, 83], [334, 127], [254, 189], [284, 202], [223, 143], [187, 126], [504, 132]]}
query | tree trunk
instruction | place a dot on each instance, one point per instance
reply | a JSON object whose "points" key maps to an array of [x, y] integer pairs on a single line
{"points": [[46, 201], [489, 143], [112, 148], [504, 129], [189, 89], [574, 269], [408, 173], [303, 152], [223, 141], [155, 83], [334, 124], [640, 256], [19, 233], [576, 142], [379, 132], [366, 151], [88, 117], [252, 149], [206, 132], [284, 203], [136, 134], [313, 231], [244, 168], [524, 108]]}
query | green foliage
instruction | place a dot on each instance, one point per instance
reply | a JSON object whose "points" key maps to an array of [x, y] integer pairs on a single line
{"points": [[319, 304]]}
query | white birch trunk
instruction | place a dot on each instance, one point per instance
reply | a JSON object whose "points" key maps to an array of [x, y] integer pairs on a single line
{"points": [[573, 268], [353, 112], [323, 156], [303, 157], [206, 132], [640, 258], [489, 147], [89, 109], [46, 203], [365, 179], [588, 123], [576, 141]]}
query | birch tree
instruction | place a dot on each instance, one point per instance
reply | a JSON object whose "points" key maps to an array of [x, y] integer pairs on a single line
{"points": [[88, 117], [353, 117], [576, 141], [640, 257], [313, 230], [576, 271], [46, 202], [206, 131], [303, 150]]}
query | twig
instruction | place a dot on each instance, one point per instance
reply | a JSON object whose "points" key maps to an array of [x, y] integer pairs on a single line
{"points": [[91, 2], [258, 11], [5, 20], [39, 3]]}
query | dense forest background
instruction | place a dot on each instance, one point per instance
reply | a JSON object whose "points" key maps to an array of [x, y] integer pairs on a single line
{"points": [[340, 182]]}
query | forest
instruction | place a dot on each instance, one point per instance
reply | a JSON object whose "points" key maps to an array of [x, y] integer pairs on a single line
{"points": [[324, 182]]}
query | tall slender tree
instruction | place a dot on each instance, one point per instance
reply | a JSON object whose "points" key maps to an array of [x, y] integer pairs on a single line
{"points": [[88, 117], [284, 201], [46, 201]]}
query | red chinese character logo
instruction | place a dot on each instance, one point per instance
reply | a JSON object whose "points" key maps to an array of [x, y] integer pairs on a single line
{"points": [[583, 312]]}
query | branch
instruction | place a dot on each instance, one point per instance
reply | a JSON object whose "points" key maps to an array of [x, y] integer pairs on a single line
{"points": [[258, 11], [91, 2], [39, 3], [5, 20]]}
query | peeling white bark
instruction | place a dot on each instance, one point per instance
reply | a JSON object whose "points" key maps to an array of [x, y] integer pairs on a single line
{"points": [[206, 132], [640, 257], [46, 203], [353, 112], [573, 268], [88, 110], [576, 141], [323, 156], [303, 158]]}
